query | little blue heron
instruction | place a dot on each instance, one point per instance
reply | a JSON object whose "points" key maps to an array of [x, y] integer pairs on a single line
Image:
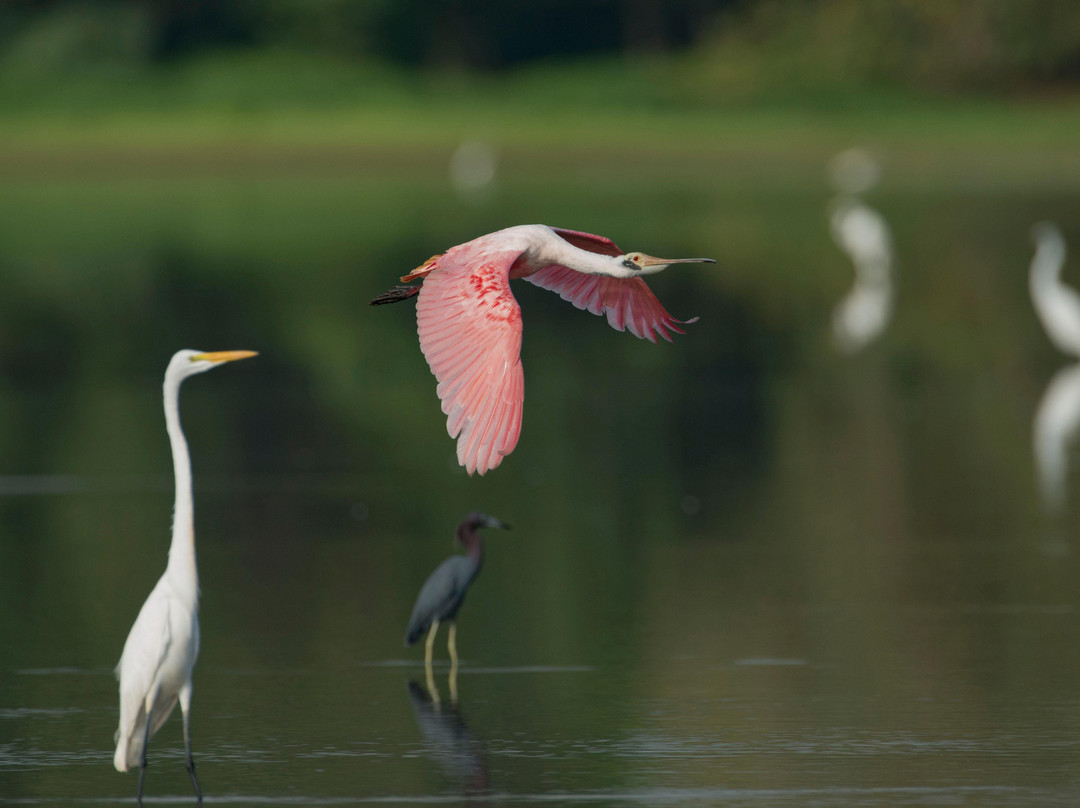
{"points": [[444, 591]]}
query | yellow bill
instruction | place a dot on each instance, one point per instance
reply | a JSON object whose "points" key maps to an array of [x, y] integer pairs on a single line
{"points": [[223, 356]]}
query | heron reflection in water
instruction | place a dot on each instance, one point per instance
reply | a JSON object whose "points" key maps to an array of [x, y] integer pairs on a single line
{"points": [[1057, 419], [448, 741], [864, 312], [444, 591]]}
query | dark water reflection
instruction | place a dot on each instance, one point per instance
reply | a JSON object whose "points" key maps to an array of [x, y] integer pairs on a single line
{"points": [[745, 570], [448, 742]]}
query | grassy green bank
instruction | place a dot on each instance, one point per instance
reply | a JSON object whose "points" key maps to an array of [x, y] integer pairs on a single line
{"points": [[300, 115]]}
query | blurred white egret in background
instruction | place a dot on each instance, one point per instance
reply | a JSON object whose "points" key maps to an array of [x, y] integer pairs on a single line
{"points": [[863, 314], [1057, 419], [1057, 305], [854, 171], [159, 654], [473, 167]]}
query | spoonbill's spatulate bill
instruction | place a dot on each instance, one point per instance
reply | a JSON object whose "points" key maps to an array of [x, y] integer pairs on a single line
{"points": [[160, 651], [470, 323]]}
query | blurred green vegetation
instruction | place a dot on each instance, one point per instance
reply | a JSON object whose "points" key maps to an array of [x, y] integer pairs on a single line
{"points": [[739, 46], [779, 76]]}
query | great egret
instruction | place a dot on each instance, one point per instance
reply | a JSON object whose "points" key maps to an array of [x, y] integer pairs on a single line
{"points": [[862, 315], [1057, 305], [444, 591], [470, 323], [160, 651]]}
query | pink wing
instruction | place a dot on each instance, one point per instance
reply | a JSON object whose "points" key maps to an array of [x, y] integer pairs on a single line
{"points": [[470, 333], [628, 302]]}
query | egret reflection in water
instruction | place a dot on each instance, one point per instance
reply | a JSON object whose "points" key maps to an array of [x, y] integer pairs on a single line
{"points": [[1057, 418], [860, 231], [448, 741], [1055, 429]]}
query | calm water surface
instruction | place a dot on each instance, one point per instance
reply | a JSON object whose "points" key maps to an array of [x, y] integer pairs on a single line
{"points": [[745, 569]]}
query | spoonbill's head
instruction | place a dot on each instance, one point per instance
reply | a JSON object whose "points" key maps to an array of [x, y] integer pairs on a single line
{"points": [[188, 362], [642, 264]]}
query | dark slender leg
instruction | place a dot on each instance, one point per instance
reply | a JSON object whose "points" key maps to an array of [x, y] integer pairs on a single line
{"points": [[142, 766], [185, 704], [191, 760]]}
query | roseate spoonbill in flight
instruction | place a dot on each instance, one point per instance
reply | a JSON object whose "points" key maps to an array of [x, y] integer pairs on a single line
{"points": [[444, 591], [159, 654], [470, 323]]}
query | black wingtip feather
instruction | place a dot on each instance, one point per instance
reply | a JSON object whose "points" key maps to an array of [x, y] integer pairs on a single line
{"points": [[395, 295]]}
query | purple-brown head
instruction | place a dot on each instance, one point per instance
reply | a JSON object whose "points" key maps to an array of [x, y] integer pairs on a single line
{"points": [[477, 520]]}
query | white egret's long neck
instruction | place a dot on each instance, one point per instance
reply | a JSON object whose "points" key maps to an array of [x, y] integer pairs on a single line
{"points": [[182, 549]]}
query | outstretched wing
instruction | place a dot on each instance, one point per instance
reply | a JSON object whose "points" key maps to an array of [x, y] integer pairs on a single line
{"points": [[627, 302], [470, 333]]}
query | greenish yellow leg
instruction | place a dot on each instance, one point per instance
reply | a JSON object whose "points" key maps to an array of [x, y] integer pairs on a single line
{"points": [[451, 643], [429, 675], [432, 689], [429, 646], [453, 682]]}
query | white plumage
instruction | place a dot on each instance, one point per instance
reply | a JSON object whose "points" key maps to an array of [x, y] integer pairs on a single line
{"points": [[864, 313], [1057, 305], [160, 651]]}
